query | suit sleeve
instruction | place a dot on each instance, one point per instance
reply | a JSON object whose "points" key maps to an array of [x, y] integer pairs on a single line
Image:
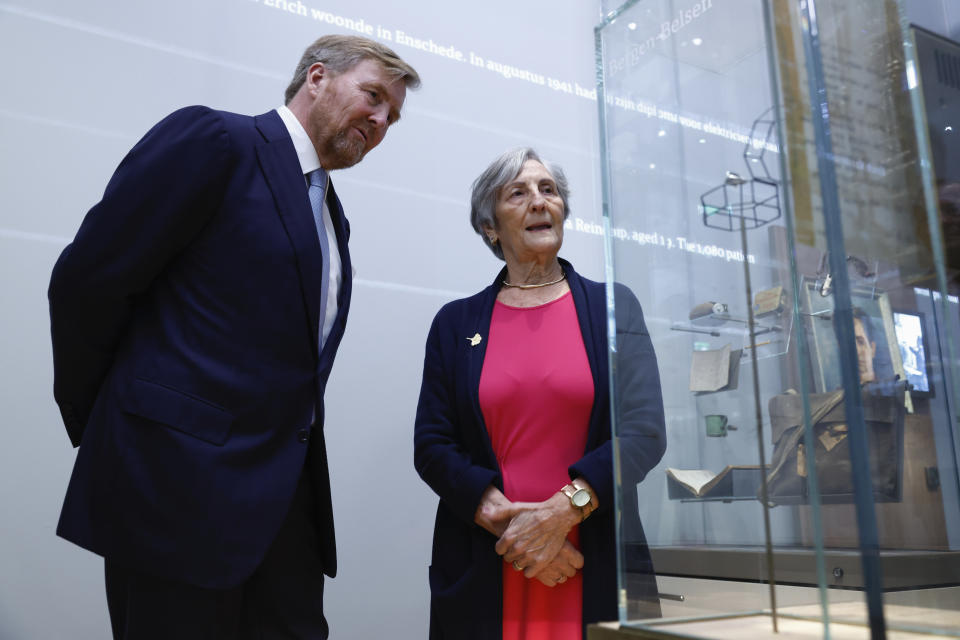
{"points": [[441, 452], [159, 198], [638, 403]]}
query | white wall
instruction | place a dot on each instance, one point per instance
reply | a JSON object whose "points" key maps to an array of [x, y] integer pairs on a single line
{"points": [[84, 80]]}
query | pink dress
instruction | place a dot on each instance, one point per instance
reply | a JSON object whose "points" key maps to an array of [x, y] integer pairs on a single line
{"points": [[536, 394]]}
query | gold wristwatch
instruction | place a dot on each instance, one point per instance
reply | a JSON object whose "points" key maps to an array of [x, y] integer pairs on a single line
{"points": [[580, 497]]}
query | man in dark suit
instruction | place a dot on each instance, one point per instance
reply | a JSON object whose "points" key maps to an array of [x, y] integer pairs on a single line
{"points": [[195, 318]]}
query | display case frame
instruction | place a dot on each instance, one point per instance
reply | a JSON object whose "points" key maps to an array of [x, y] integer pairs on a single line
{"points": [[824, 545]]}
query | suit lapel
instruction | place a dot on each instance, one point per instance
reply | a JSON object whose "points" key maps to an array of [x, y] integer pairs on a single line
{"points": [[281, 169], [478, 323], [340, 227]]}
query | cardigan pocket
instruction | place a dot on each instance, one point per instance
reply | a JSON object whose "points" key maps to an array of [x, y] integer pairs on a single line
{"points": [[466, 608], [441, 587]]}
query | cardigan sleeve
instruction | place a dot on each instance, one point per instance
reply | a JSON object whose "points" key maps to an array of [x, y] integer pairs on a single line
{"points": [[638, 404], [447, 442], [641, 427]]}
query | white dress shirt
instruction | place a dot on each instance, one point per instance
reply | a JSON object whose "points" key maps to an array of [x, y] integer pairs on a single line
{"points": [[309, 161]]}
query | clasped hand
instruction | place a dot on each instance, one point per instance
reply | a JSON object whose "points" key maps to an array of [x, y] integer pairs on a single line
{"points": [[533, 535]]}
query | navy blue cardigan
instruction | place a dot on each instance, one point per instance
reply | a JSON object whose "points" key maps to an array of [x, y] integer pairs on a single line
{"points": [[453, 454]]}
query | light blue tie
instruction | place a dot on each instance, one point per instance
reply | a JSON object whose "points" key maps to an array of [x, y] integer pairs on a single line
{"points": [[316, 192]]}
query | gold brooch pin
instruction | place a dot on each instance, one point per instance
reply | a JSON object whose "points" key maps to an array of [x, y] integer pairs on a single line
{"points": [[475, 340]]}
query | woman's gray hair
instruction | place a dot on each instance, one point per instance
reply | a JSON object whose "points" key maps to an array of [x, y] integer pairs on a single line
{"points": [[340, 53], [486, 189]]}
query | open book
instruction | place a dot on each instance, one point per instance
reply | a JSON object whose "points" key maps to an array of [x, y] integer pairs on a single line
{"points": [[734, 481]]}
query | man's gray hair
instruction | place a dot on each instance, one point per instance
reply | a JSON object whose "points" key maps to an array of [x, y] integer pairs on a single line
{"points": [[486, 189], [341, 53]]}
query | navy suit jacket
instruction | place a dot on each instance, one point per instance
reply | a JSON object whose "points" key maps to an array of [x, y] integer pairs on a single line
{"points": [[453, 454], [185, 319]]}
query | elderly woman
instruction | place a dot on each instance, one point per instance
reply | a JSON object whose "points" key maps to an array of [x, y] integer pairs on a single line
{"points": [[513, 426]]}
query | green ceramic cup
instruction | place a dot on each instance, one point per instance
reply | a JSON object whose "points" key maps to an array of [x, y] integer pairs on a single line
{"points": [[716, 426]]}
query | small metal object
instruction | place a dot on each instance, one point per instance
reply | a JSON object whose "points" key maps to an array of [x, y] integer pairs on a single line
{"points": [[863, 270], [838, 573], [734, 179], [475, 340], [678, 597], [827, 287]]}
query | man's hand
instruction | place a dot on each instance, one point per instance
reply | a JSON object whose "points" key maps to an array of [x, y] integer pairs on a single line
{"points": [[537, 533]]}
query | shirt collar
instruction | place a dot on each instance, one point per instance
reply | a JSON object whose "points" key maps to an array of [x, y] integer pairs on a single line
{"points": [[306, 153]]}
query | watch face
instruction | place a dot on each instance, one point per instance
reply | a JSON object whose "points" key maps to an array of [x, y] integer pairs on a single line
{"points": [[580, 498]]}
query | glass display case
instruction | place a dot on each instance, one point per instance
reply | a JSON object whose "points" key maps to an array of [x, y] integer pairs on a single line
{"points": [[771, 199]]}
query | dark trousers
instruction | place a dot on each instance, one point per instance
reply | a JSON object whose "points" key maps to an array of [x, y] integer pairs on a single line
{"points": [[282, 599]]}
